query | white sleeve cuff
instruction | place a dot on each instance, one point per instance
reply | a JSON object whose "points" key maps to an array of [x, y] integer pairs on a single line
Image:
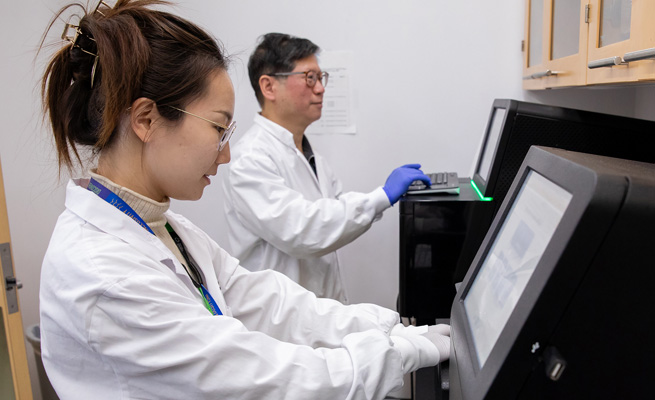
{"points": [[417, 352], [407, 352], [380, 199], [402, 330]]}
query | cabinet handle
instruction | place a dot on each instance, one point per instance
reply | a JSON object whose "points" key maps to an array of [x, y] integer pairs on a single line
{"points": [[542, 74], [639, 55], [605, 62]]}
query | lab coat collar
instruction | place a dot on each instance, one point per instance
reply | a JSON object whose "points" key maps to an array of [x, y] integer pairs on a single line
{"points": [[286, 138], [278, 131], [107, 218]]}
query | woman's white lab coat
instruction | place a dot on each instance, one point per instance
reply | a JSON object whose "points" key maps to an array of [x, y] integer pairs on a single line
{"points": [[281, 216], [120, 319]]}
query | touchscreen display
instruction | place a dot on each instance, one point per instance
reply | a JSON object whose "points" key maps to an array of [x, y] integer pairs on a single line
{"points": [[512, 259]]}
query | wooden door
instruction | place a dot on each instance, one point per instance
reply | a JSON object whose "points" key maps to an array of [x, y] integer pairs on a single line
{"points": [[14, 373], [621, 41], [555, 52]]}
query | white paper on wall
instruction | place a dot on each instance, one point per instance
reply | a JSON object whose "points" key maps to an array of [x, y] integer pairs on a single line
{"points": [[338, 116]]}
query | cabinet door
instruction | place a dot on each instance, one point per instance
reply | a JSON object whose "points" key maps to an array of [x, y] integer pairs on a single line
{"points": [[534, 62], [556, 29], [620, 31]]}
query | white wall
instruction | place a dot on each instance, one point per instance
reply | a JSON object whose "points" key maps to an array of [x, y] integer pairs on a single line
{"points": [[423, 87], [425, 74]]}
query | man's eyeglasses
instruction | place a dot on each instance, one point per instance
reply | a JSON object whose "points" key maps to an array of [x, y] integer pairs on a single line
{"points": [[224, 131], [311, 77]]}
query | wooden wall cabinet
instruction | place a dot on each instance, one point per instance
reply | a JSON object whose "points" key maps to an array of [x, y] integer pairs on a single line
{"points": [[588, 42]]}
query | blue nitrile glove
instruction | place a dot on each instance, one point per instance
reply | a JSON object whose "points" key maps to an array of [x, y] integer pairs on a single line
{"points": [[400, 179]]}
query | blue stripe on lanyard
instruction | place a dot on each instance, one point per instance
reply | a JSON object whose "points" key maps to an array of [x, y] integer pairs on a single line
{"points": [[210, 303], [111, 198]]}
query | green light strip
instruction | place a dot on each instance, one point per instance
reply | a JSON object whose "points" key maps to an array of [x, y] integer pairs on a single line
{"points": [[477, 190]]}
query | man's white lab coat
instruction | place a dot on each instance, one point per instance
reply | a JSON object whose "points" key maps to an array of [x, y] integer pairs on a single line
{"points": [[281, 216], [120, 319]]}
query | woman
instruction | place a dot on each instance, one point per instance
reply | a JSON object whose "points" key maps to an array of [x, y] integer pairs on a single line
{"points": [[136, 301]]}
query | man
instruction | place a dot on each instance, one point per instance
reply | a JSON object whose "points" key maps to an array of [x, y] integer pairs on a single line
{"points": [[285, 207]]}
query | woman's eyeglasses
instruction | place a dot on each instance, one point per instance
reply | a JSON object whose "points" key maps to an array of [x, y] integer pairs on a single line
{"points": [[225, 131]]}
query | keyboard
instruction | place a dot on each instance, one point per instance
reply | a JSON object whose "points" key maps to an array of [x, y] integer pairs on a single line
{"points": [[442, 182]]}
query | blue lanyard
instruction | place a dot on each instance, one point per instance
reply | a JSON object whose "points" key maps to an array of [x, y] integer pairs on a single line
{"points": [[209, 301], [111, 198]]}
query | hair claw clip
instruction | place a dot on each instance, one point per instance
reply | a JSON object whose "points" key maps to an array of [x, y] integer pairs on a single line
{"points": [[97, 9], [73, 38], [65, 35]]}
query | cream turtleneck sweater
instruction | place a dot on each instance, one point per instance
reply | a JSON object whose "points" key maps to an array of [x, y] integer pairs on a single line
{"points": [[150, 211]]}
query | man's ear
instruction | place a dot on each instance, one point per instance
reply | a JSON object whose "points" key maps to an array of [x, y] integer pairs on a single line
{"points": [[268, 86], [143, 114]]}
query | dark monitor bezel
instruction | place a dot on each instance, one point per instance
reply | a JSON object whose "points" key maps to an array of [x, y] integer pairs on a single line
{"points": [[551, 285], [486, 186], [639, 129]]}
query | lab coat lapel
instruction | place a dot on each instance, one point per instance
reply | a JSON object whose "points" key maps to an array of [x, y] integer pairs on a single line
{"points": [[203, 257], [286, 138], [108, 218], [325, 182]]}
